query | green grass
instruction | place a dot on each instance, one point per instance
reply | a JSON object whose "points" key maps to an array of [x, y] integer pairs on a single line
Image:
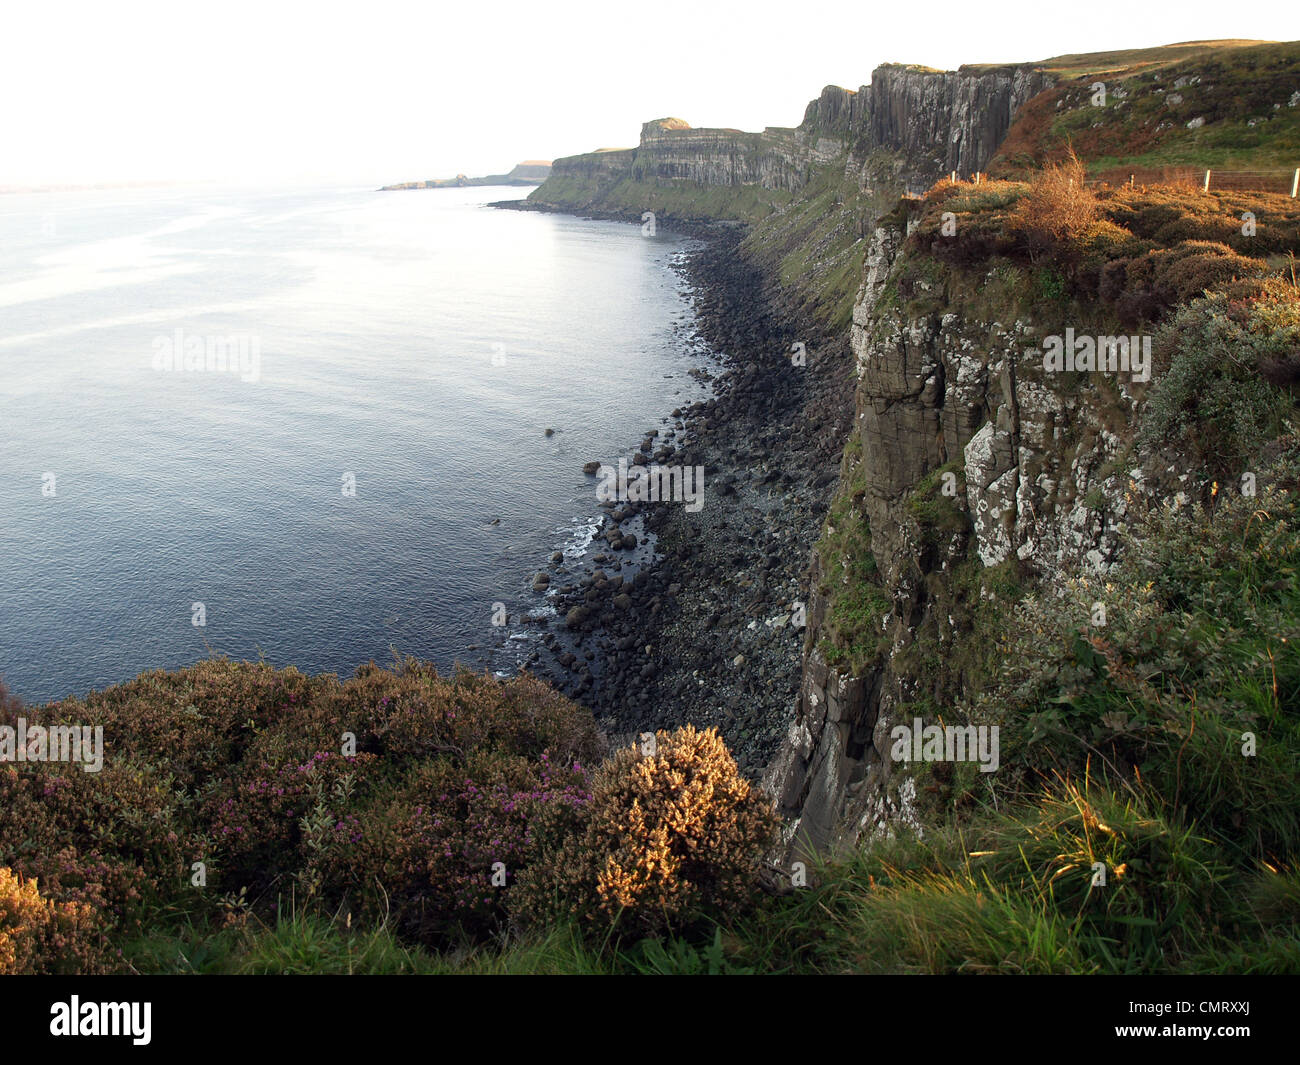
{"points": [[852, 635], [1131, 59], [304, 942], [817, 246]]}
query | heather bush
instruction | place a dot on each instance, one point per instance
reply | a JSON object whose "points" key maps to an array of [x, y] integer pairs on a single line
{"points": [[450, 848], [1167, 215], [1145, 287], [256, 822], [119, 839], [248, 773], [668, 839], [979, 230]]}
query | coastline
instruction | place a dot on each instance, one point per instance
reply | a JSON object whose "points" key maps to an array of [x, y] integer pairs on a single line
{"points": [[706, 630]]}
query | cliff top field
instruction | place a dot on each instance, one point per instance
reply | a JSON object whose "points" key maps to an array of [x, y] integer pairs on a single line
{"points": [[1134, 60], [1233, 108]]}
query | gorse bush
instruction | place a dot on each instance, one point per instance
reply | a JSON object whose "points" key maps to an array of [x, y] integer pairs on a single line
{"points": [[667, 839], [40, 935]]}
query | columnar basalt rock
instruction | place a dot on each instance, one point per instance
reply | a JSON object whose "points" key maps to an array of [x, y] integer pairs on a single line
{"points": [[943, 121], [775, 159], [934, 121]]}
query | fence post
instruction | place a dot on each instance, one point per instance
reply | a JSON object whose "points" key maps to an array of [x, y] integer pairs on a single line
{"points": [[1207, 181], [1295, 183]]}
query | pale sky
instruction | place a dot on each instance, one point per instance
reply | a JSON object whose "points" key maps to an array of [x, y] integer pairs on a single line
{"points": [[382, 92]]}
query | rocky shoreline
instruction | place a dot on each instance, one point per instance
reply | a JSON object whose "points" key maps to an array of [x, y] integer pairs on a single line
{"points": [[678, 616]]}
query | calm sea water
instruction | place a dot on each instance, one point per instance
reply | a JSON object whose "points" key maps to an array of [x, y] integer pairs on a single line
{"points": [[417, 343]]}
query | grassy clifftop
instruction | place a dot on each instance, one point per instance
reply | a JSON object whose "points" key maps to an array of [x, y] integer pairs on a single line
{"points": [[1232, 106]]}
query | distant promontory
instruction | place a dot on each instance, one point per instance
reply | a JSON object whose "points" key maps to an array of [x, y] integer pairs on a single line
{"points": [[529, 172]]}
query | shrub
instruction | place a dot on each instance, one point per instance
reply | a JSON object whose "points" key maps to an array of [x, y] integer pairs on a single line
{"points": [[1211, 400], [436, 846], [115, 839], [1059, 207], [242, 767], [669, 839], [40, 935], [981, 213], [1170, 215], [1144, 287], [258, 824]]}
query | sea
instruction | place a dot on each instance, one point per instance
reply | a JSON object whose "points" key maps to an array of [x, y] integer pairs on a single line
{"points": [[312, 426]]}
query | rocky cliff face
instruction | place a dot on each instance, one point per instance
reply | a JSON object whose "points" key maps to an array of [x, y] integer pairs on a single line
{"points": [[774, 159], [605, 165], [529, 172], [932, 121], [942, 121], [674, 163], [1045, 469]]}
